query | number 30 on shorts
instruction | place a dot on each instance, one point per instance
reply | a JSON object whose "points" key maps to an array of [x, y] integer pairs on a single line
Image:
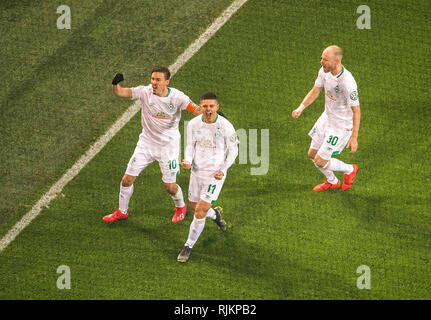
{"points": [[332, 140]]}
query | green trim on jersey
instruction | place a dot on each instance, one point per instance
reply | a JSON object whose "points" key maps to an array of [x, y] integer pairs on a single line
{"points": [[169, 91], [340, 73]]}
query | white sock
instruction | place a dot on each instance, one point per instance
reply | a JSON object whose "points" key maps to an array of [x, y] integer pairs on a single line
{"points": [[338, 165], [178, 198], [329, 174], [125, 195], [196, 228], [211, 214]]}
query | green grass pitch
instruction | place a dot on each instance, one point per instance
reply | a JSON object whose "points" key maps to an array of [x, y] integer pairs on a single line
{"points": [[286, 241]]}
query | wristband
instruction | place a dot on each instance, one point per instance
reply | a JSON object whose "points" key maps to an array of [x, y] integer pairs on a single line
{"points": [[300, 108]]}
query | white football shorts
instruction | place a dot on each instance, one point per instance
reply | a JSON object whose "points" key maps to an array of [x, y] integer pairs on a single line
{"points": [[146, 153], [203, 186], [328, 141]]}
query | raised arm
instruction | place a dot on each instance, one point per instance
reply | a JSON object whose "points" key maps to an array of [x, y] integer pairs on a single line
{"points": [[118, 90], [194, 109], [309, 99]]}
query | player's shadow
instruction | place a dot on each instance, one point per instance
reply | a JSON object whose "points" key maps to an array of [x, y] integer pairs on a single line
{"points": [[366, 208], [270, 271], [269, 268], [77, 44], [255, 263], [376, 214]]}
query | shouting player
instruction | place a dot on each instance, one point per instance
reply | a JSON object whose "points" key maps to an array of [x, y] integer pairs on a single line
{"points": [[212, 147], [338, 126], [159, 140]]}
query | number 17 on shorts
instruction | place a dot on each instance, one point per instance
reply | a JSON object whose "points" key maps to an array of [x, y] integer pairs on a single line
{"points": [[211, 190]]}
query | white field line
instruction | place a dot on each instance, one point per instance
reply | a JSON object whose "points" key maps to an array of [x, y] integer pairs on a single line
{"points": [[94, 149]]}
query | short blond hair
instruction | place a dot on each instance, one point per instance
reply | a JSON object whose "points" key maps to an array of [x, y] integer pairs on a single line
{"points": [[336, 51]]}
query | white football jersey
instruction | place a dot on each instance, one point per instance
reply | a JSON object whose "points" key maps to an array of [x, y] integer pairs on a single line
{"points": [[341, 93], [160, 115], [211, 146]]}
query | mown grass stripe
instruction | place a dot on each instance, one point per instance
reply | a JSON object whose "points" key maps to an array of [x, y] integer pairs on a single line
{"points": [[94, 149]]}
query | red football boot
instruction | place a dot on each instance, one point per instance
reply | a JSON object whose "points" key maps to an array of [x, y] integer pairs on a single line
{"points": [[180, 213], [117, 215], [349, 178], [326, 185]]}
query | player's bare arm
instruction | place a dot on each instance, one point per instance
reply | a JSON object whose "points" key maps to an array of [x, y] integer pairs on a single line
{"points": [[353, 141], [118, 90], [309, 99]]}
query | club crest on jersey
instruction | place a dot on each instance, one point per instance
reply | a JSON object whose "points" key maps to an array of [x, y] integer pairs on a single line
{"points": [[217, 134], [337, 89], [171, 107]]}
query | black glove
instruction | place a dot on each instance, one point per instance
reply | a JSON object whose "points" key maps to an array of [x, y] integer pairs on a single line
{"points": [[221, 113], [117, 79]]}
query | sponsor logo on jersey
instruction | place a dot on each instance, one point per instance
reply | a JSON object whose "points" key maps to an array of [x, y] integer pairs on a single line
{"points": [[208, 143], [160, 115], [330, 96]]}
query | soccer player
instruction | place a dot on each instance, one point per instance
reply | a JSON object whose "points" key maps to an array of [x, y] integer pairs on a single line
{"points": [[212, 147], [338, 126], [159, 140]]}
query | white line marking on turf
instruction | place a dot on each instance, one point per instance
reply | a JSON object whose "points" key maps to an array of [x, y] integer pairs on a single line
{"points": [[103, 140]]}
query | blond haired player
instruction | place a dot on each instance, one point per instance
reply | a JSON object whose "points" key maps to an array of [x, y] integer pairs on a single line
{"points": [[212, 147], [338, 126], [159, 140]]}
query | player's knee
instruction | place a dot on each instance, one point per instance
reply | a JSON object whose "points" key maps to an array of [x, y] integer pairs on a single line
{"points": [[320, 162], [127, 180], [200, 213], [201, 210], [171, 188], [312, 154]]}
